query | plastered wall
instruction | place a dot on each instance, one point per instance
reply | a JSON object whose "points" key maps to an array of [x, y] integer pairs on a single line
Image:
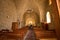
{"points": [[7, 14], [13, 10]]}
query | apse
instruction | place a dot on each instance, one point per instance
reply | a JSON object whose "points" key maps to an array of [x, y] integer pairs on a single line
{"points": [[31, 18], [30, 21]]}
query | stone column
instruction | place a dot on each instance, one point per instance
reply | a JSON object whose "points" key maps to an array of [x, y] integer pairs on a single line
{"points": [[56, 18]]}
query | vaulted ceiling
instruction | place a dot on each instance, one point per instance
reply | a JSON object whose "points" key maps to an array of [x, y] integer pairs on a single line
{"points": [[35, 4], [39, 6]]}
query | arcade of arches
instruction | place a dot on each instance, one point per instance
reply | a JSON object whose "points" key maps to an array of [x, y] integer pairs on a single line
{"points": [[29, 20]]}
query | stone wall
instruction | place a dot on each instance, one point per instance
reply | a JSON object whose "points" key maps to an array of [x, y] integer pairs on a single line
{"points": [[13, 10], [58, 5], [8, 14]]}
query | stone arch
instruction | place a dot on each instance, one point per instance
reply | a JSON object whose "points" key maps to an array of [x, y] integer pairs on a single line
{"points": [[31, 15]]}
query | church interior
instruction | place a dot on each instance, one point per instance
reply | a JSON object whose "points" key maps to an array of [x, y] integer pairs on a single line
{"points": [[29, 19]]}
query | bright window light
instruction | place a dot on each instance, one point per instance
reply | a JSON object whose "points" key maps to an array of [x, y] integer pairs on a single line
{"points": [[50, 2], [48, 17], [30, 22]]}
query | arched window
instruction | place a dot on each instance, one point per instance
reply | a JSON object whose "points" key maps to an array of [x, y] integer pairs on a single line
{"points": [[48, 17], [50, 2]]}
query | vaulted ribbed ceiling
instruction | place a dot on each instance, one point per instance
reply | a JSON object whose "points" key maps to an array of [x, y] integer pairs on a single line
{"points": [[35, 4], [39, 6]]}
